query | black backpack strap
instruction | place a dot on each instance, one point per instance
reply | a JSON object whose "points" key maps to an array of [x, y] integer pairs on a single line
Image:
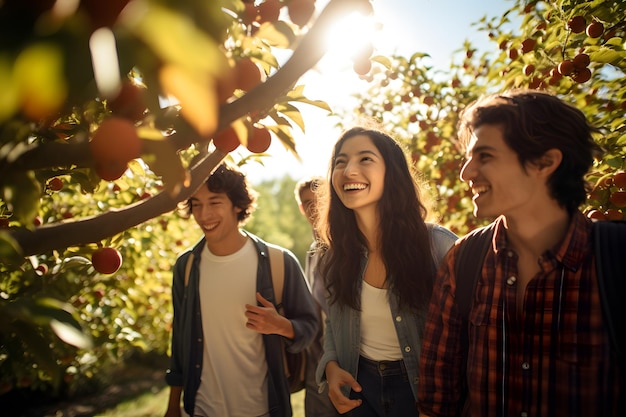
{"points": [[471, 253], [609, 241], [467, 268]]}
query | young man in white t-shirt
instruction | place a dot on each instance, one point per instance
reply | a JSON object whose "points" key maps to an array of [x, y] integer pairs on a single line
{"points": [[227, 334]]}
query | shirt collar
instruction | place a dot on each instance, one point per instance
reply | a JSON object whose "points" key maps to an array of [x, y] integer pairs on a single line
{"points": [[570, 252]]}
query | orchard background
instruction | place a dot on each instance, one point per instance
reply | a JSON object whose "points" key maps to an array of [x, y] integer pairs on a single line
{"points": [[111, 113]]}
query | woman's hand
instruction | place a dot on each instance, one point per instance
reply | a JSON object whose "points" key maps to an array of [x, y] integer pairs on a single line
{"points": [[337, 378]]}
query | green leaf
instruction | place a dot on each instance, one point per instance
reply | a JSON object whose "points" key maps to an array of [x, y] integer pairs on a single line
{"points": [[21, 193], [383, 60], [10, 251], [182, 44], [70, 334], [292, 113], [278, 34], [608, 56], [284, 134]]}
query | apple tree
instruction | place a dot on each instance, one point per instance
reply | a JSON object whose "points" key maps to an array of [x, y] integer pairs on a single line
{"points": [[111, 114], [574, 49]]}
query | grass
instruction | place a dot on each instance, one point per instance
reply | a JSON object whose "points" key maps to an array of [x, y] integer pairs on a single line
{"points": [[154, 403]]}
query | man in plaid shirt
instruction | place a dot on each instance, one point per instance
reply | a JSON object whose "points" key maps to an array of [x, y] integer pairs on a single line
{"points": [[538, 343]]}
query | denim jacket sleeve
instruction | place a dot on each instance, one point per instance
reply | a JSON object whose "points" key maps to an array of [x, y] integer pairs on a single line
{"points": [[174, 375], [441, 240], [298, 305]]}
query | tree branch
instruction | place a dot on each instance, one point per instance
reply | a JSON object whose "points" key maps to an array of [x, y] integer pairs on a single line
{"points": [[92, 229]]}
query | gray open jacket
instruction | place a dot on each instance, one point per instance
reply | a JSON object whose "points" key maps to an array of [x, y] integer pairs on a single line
{"points": [[342, 336], [187, 338]]}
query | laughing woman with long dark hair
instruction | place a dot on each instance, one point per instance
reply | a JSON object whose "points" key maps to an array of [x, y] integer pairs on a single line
{"points": [[379, 266]]}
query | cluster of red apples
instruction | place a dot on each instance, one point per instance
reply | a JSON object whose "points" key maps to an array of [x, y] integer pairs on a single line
{"points": [[615, 186], [576, 67], [115, 143]]}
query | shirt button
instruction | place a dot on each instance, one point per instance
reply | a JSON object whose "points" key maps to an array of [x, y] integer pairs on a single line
{"points": [[407, 349], [197, 366], [199, 340], [398, 318], [511, 280], [525, 366], [509, 254], [524, 414]]}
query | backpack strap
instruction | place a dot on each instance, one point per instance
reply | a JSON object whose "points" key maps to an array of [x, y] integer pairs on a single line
{"points": [[277, 271], [188, 268], [467, 269], [609, 238], [468, 265]]}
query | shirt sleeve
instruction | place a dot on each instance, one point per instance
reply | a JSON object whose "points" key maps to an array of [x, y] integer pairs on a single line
{"points": [[174, 375], [299, 305], [440, 360]]}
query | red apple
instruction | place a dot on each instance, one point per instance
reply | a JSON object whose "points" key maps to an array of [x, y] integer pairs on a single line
{"points": [[581, 61], [300, 11], [566, 67], [226, 140], [528, 45], [113, 145], [247, 74], [259, 140], [596, 214], [577, 24], [582, 75], [595, 29], [130, 102], [106, 260], [55, 184], [42, 269], [618, 198], [619, 179]]}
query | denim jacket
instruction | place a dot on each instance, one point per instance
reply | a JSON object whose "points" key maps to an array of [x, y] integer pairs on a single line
{"points": [[187, 337], [342, 336]]}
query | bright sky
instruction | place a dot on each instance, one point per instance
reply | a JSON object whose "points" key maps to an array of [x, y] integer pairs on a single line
{"points": [[436, 27]]}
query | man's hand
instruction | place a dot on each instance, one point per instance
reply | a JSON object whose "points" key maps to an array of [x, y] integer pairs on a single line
{"points": [[337, 377], [265, 319]]}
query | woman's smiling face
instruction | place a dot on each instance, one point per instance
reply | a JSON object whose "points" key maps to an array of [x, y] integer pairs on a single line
{"points": [[358, 173]]}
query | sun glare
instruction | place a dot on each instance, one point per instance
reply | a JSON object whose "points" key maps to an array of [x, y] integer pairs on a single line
{"points": [[349, 36]]}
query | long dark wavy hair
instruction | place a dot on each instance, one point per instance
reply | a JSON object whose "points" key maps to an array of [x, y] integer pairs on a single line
{"points": [[404, 238], [533, 123]]}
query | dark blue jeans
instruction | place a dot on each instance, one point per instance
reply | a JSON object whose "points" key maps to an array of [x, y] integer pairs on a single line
{"points": [[386, 390]]}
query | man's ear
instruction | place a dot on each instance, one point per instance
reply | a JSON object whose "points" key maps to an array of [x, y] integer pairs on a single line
{"points": [[549, 161]]}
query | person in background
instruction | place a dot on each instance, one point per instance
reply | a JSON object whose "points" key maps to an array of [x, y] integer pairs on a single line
{"points": [[226, 353], [316, 401], [538, 342], [379, 266]]}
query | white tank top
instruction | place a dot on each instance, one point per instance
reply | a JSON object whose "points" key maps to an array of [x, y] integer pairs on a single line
{"points": [[379, 340]]}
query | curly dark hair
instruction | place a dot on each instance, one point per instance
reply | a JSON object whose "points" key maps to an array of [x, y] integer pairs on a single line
{"points": [[534, 122], [230, 180], [404, 237]]}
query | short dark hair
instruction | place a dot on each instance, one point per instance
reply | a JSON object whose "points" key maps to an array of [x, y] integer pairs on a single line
{"points": [[534, 122], [228, 179]]}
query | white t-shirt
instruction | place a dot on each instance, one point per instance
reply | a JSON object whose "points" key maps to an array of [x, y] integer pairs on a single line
{"points": [[379, 340], [234, 372]]}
